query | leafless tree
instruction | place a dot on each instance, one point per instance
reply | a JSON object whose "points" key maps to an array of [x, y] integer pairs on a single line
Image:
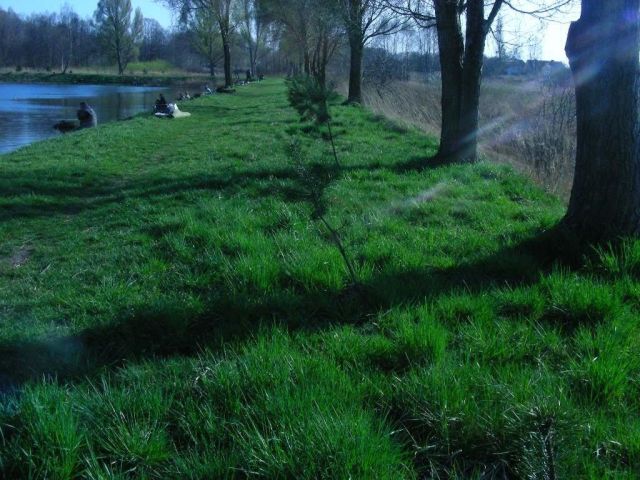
{"points": [[220, 11], [121, 35], [365, 20], [461, 60], [254, 25], [313, 27]]}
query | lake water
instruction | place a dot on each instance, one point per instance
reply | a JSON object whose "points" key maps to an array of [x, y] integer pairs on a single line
{"points": [[28, 112]]}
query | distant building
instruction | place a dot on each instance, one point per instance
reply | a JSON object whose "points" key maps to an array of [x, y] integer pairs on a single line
{"points": [[545, 68], [514, 68]]}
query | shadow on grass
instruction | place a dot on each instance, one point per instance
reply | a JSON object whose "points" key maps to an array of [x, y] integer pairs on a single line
{"points": [[166, 328], [69, 199]]}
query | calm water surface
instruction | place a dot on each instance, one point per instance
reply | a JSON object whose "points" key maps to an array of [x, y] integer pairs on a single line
{"points": [[28, 112]]}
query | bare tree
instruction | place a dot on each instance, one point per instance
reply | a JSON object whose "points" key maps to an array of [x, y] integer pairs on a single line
{"points": [[603, 49], [154, 40], [498, 36], [68, 26], [221, 11], [120, 34], [326, 37], [294, 17], [461, 60], [313, 27], [253, 29], [364, 20]]}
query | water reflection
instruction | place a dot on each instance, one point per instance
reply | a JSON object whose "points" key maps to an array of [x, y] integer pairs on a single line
{"points": [[28, 112]]}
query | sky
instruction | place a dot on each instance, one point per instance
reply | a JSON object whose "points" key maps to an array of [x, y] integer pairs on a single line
{"points": [[85, 8], [552, 35]]}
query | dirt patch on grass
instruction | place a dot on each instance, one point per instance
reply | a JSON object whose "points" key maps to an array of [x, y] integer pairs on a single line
{"points": [[19, 257]]}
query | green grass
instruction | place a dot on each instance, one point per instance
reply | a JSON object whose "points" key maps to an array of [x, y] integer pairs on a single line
{"points": [[155, 66], [157, 72], [169, 309]]}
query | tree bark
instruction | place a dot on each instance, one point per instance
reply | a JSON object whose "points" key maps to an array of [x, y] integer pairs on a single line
{"points": [[603, 47], [467, 149], [451, 64], [356, 45], [119, 59], [461, 62], [228, 78], [252, 61]]}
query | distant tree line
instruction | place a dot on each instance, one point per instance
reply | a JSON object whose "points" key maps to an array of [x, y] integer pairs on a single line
{"points": [[63, 41], [47, 41]]}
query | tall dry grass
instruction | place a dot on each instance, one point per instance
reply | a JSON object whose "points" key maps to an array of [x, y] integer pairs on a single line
{"points": [[528, 123]]}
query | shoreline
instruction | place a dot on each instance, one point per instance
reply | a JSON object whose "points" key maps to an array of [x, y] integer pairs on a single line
{"points": [[103, 79]]}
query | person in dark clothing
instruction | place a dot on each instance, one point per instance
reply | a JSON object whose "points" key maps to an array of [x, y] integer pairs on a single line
{"points": [[249, 77], [87, 116], [161, 105]]}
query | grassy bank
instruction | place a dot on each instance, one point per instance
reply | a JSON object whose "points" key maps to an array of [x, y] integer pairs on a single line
{"points": [[170, 309], [150, 79]]}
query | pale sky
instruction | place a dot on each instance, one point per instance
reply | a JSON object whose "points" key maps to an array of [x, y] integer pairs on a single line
{"points": [[552, 38], [550, 33], [85, 8]]}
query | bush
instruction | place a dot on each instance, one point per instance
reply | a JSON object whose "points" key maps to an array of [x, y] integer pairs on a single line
{"points": [[549, 144]]}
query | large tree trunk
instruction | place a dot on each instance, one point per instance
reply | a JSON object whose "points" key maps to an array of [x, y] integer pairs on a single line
{"points": [[251, 59], [120, 65], [451, 63], [603, 49], [228, 78], [356, 45], [118, 48], [467, 149]]}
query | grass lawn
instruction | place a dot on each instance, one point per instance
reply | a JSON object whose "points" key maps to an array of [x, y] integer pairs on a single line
{"points": [[154, 73], [170, 309]]}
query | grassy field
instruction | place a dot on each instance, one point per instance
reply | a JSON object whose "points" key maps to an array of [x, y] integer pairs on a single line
{"points": [[156, 73], [169, 308]]}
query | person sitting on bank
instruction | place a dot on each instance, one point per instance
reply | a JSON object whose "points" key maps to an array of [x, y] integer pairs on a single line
{"points": [[161, 105], [87, 116]]}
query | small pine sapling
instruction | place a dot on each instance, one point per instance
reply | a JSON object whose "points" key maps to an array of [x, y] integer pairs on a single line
{"points": [[314, 180], [311, 100]]}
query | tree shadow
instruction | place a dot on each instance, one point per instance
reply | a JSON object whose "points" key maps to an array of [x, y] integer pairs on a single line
{"points": [[72, 199], [421, 163], [165, 328]]}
